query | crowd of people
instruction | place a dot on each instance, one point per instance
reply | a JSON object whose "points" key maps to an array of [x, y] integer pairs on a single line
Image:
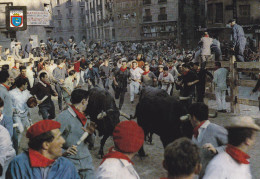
{"points": [[213, 151]]}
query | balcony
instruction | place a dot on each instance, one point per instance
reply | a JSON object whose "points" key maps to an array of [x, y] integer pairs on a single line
{"points": [[100, 22], [99, 7], [69, 4], [70, 16], [58, 17], [147, 18], [82, 4], [82, 16], [71, 28], [147, 2], [162, 17], [162, 1], [92, 10], [59, 29]]}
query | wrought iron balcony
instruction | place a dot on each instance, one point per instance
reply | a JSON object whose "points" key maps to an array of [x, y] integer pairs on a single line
{"points": [[82, 3], [146, 2], [147, 18], [69, 4], [70, 16], [162, 17]]}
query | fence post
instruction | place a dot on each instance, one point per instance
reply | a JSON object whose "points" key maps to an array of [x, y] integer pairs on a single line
{"points": [[234, 106]]}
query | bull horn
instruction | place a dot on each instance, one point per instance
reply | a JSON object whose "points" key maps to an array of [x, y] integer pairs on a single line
{"points": [[124, 115], [101, 115], [185, 117]]}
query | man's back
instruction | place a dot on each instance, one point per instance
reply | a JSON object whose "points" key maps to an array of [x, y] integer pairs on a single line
{"points": [[220, 78]]}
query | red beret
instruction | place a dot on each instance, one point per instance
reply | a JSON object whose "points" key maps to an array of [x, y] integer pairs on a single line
{"points": [[41, 127], [128, 136]]}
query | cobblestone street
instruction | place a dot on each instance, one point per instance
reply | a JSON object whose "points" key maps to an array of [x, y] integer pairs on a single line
{"points": [[151, 166]]}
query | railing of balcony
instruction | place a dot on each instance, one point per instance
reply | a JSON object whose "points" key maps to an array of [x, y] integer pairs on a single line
{"points": [[69, 4], [82, 4], [146, 2], [70, 16], [147, 18], [162, 17]]}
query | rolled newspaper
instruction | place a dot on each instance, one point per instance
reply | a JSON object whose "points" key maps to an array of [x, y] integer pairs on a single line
{"points": [[82, 138]]}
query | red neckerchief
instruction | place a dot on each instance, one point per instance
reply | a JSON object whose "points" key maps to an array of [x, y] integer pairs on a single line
{"points": [[186, 72], [60, 68], [91, 69], [170, 68], [80, 116], [123, 69], [7, 87], [15, 67], [206, 36], [146, 72], [38, 160], [116, 154], [238, 155], [165, 75], [196, 129], [83, 60]]}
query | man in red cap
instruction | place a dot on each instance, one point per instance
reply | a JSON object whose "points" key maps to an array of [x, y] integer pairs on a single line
{"points": [[44, 158], [128, 139]]}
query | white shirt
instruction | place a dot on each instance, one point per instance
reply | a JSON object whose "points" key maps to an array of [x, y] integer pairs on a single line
{"points": [[207, 42], [19, 99], [223, 166], [136, 74], [167, 79], [69, 83], [113, 168], [201, 130]]}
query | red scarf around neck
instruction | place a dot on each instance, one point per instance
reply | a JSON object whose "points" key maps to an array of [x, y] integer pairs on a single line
{"points": [[196, 130], [116, 154], [123, 69], [80, 115], [90, 69], [186, 72], [170, 68], [7, 87], [238, 155], [15, 67], [146, 72], [38, 160], [165, 75]]}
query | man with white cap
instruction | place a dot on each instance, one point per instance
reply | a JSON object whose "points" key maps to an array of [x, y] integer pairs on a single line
{"points": [[234, 162], [117, 164]]}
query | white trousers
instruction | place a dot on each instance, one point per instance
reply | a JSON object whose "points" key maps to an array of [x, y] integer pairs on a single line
{"points": [[167, 89], [221, 99], [134, 89], [78, 74]]}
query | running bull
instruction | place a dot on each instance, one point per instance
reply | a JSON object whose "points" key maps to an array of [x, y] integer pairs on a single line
{"points": [[103, 111], [159, 113]]}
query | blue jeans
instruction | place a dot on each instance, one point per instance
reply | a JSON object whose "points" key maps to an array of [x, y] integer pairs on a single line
{"points": [[105, 83], [47, 110]]}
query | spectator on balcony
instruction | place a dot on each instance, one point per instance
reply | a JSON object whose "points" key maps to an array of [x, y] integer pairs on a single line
{"points": [[238, 40]]}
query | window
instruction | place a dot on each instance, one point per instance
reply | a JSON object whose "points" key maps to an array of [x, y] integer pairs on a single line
{"points": [[58, 12], [244, 10], [163, 10], [147, 12], [71, 23], [59, 23], [69, 10], [219, 13], [210, 13], [58, 2], [81, 10]]}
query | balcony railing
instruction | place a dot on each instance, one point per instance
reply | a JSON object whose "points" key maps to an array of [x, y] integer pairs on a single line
{"points": [[70, 16], [58, 17], [82, 16], [71, 28], [147, 2], [59, 29], [162, 1], [82, 4], [69, 4], [162, 17], [100, 22], [147, 18]]}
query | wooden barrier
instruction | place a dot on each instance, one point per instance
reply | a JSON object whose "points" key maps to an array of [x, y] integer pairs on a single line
{"points": [[234, 82], [10, 61]]}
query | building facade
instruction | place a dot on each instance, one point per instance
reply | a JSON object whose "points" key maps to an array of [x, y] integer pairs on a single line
{"points": [[127, 20], [37, 32], [69, 17], [159, 19], [247, 14]]}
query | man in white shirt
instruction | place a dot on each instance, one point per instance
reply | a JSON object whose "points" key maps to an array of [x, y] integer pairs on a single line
{"points": [[19, 97], [128, 139], [135, 75], [205, 49], [68, 86], [166, 79], [220, 78], [209, 137], [234, 162]]}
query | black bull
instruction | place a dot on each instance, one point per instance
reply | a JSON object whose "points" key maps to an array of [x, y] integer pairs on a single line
{"points": [[99, 101], [159, 113]]}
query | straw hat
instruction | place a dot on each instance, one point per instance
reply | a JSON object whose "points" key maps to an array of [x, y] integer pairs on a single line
{"points": [[243, 122]]}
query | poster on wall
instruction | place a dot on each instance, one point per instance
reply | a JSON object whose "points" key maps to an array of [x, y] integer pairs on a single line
{"points": [[38, 18]]}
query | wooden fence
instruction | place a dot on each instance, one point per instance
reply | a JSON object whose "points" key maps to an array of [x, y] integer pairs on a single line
{"points": [[234, 82], [10, 61]]}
